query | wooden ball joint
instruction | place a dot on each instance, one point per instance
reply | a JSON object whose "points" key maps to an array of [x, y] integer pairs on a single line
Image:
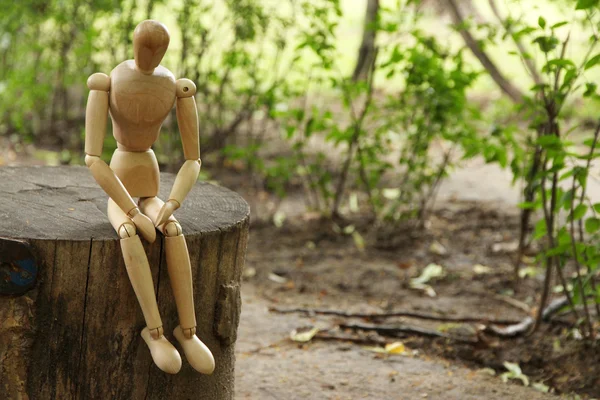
{"points": [[139, 94]]}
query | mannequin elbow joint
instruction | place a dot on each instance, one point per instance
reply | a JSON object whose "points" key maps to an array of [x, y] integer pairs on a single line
{"points": [[90, 160]]}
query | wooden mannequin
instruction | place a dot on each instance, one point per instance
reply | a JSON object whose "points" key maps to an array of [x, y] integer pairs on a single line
{"points": [[139, 94]]}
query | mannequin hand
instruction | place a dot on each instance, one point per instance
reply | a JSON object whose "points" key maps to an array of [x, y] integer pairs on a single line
{"points": [[144, 226], [166, 211]]}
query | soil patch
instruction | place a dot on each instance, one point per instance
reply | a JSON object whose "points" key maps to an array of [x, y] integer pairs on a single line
{"points": [[307, 263]]}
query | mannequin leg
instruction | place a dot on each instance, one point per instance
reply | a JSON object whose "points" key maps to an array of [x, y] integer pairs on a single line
{"points": [[165, 356], [180, 275]]}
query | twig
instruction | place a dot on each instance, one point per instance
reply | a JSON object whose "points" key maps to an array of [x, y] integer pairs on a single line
{"points": [[528, 323], [528, 197], [398, 330], [261, 348], [365, 180], [349, 338], [513, 302], [511, 330], [588, 319], [408, 314], [429, 199], [551, 262]]}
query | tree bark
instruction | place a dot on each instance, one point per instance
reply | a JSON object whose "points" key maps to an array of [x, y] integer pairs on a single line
{"points": [[366, 52], [76, 334]]}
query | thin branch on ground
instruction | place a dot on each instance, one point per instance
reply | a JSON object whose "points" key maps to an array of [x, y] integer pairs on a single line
{"points": [[408, 314], [528, 324], [261, 348], [324, 335], [513, 303], [402, 330]]}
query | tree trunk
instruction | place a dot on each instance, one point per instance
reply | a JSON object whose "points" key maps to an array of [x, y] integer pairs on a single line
{"points": [[76, 333], [504, 84], [366, 52]]}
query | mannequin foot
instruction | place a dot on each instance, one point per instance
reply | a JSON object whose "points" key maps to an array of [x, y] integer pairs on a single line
{"points": [[196, 352], [165, 355]]}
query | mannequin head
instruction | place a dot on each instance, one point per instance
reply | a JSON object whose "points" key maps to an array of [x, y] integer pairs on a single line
{"points": [[150, 42]]}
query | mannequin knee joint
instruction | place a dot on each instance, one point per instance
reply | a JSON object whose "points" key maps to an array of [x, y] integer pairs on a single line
{"points": [[127, 230], [172, 228]]}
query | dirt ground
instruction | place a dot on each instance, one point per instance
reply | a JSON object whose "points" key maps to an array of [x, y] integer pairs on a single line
{"points": [[271, 367], [305, 263]]}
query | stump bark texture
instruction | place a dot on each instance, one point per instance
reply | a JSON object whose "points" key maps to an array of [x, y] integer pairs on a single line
{"points": [[76, 333]]}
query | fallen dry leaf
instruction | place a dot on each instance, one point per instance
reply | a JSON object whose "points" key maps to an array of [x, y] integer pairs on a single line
{"points": [[390, 348], [249, 272], [505, 247], [514, 372], [303, 336], [395, 348], [479, 269], [540, 387], [438, 248], [279, 218], [432, 271], [276, 278], [359, 242]]}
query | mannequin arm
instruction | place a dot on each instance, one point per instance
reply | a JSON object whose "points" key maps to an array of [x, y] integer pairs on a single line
{"points": [[187, 118], [96, 115]]}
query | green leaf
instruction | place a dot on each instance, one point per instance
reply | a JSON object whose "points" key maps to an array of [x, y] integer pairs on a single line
{"points": [[592, 61], [540, 229], [560, 62], [585, 4], [559, 24], [581, 174], [566, 200], [590, 89], [541, 22], [592, 225], [527, 205], [549, 142], [570, 76], [566, 175], [564, 238], [546, 43], [579, 211], [523, 32]]}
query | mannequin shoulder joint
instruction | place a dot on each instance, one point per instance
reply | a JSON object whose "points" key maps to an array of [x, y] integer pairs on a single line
{"points": [[185, 88], [99, 81]]}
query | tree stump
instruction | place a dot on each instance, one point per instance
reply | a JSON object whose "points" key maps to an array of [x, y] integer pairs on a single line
{"points": [[75, 334]]}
